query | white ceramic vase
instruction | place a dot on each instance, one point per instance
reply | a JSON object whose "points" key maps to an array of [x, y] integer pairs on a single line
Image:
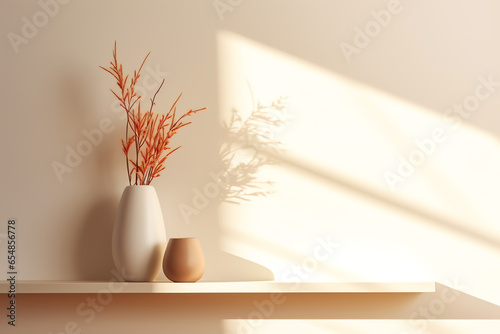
{"points": [[139, 237]]}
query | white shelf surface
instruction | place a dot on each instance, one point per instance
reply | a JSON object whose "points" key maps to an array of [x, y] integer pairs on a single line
{"points": [[217, 287]]}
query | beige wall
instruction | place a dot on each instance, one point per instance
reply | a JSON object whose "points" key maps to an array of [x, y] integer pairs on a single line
{"points": [[370, 84]]}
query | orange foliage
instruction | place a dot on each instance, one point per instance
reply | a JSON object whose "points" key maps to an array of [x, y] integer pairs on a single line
{"points": [[147, 132]]}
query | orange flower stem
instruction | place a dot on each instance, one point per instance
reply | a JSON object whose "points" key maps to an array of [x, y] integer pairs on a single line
{"points": [[150, 134]]}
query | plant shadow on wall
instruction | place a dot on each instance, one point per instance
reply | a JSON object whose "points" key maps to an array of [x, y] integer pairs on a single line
{"points": [[242, 151], [243, 156]]}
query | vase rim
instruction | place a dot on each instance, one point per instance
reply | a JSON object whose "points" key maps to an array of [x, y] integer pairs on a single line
{"points": [[183, 238], [140, 185]]}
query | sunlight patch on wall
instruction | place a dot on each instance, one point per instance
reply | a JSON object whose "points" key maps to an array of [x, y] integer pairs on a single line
{"points": [[342, 141]]}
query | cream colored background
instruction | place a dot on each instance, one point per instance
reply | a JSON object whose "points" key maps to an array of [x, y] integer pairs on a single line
{"points": [[351, 121]]}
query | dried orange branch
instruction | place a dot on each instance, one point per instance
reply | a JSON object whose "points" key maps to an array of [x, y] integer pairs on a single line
{"points": [[147, 132]]}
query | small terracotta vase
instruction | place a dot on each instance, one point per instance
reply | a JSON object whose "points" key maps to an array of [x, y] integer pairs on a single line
{"points": [[184, 260]]}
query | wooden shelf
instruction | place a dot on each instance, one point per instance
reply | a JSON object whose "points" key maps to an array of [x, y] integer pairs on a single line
{"points": [[217, 287]]}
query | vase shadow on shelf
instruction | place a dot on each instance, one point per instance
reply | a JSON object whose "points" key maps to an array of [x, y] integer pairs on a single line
{"points": [[93, 259], [222, 266]]}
